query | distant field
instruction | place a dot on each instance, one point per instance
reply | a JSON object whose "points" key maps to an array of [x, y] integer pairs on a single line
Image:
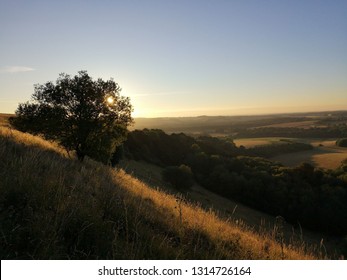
{"points": [[325, 153], [228, 125], [252, 142], [327, 156]]}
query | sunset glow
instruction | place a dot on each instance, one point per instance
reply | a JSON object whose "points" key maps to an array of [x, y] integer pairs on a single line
{"points": [[110, 100], [248, 58]]}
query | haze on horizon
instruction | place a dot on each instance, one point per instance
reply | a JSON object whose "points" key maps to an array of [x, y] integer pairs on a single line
{"points": [[182, 58]]}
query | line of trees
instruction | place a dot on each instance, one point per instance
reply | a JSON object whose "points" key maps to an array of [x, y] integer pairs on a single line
{"points": [[274, 149]]}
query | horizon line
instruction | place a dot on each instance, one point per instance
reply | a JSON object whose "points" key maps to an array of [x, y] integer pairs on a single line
{"points": [[250, 114], [230, 115]]}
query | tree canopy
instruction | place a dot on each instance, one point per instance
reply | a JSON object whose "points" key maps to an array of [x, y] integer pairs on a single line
{"points": [[85, 115]]}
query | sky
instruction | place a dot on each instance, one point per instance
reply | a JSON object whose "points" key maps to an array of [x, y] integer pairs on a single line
{"points": [[182, 58]]}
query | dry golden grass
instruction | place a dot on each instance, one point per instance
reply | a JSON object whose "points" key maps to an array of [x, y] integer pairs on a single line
{"points": [[220, 231], [145, 172], [57, 207], [329, 160], [251, 219], [4, 119], [28, 139]]}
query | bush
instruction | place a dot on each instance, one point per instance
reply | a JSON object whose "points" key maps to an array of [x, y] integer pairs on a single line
{"points": [[180, 177], [341, 142]]}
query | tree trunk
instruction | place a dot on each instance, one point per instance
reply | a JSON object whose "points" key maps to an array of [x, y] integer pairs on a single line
{"points": [[80, 154]]}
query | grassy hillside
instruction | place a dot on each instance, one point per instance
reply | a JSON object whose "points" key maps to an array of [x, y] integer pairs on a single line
{"points": [[55, 207], [227, 207], [4, 119]]}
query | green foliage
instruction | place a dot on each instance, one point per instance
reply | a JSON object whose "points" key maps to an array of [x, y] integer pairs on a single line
{"points": [[341, 142], [181, 177], [89, 117]]}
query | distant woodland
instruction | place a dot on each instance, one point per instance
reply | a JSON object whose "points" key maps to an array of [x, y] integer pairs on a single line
{"points": [[303, 195], [321, 124]]}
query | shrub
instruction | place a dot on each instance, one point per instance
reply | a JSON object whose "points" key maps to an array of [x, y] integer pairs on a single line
{"points": [[341, 142], [180, 177]]}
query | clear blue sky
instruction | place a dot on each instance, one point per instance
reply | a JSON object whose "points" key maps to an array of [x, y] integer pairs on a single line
{"points": [[182, 58]]}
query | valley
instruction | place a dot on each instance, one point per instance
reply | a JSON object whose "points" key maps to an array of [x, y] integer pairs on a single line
{"points": [[268, 186], [247, 217]]}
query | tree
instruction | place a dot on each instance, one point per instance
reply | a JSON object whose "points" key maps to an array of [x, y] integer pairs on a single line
{"points": [[84, 115]]}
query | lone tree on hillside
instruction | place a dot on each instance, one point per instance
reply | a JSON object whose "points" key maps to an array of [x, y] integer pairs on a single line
{"points": [[84, 115]]}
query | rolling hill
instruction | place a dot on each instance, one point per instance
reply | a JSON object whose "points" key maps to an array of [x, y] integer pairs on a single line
{"points": [[55, 207]]}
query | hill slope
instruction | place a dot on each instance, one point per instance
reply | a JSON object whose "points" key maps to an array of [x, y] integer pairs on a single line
{"points": [[55, 207]]}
